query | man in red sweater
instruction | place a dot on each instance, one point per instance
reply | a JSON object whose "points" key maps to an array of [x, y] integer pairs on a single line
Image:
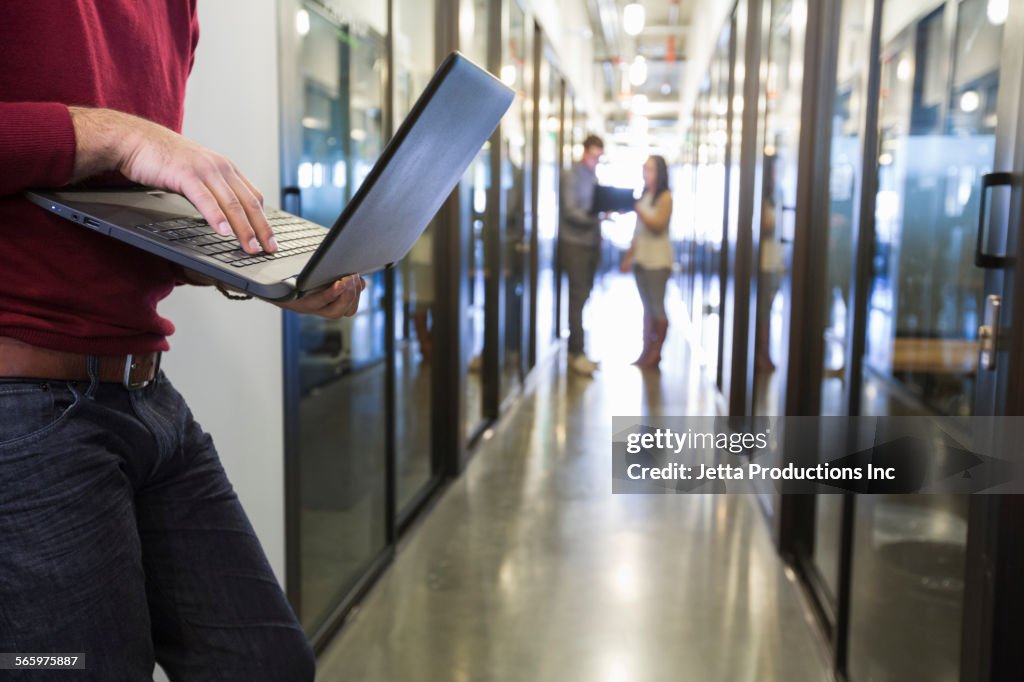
{"points": [[120, 536]]}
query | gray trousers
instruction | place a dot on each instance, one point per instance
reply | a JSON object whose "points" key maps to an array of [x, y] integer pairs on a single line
{"points": [[580, 263], [651, 284]]}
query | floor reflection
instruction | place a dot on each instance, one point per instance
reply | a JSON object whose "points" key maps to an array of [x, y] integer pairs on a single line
{"points": [[530, 569]]}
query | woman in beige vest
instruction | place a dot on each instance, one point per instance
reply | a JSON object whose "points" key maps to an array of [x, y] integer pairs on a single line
{"points": [[650, 257]]}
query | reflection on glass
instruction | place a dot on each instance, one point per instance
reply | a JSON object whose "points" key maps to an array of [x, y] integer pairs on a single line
{"points": [[339, 369], [843, 182], [475, 189], [571, 133], [926, 292], [550, 89], [704, 204], [937, 121], [783, 83], [413, 41], [515, 143], [709, 218], [727, 307]]}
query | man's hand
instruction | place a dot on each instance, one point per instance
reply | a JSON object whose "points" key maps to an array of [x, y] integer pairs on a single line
{"points": [[150, 154], [341, 299]]}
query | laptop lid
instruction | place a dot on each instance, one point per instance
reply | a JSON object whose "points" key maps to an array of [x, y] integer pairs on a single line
{"points": [[608, 198], [415, 174]]}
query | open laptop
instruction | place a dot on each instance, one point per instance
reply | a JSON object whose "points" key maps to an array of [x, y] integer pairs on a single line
{"points": [[419, 167], [608, 199]]}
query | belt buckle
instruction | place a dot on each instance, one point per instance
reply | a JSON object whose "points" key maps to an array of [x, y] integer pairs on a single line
{"points": [[130, 365]]}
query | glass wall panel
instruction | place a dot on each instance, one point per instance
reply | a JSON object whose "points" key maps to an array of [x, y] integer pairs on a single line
{"points": [[711, 195], [783, 85], [685, 208], [515, 183], [570, 138], [413, 58], [845, 179], [702, 207], [336, 369], [737, 71], [474, 196], [550, 98], [937, 122]]}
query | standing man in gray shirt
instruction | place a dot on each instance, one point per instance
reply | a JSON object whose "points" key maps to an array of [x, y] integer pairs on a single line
{"points": [[580, 240]]}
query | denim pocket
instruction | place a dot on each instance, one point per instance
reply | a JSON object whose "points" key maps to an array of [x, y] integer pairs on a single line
{"points": [[31, 409]]}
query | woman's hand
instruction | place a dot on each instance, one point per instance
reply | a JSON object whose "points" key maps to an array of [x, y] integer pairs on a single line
{"points": [[626, 264]]}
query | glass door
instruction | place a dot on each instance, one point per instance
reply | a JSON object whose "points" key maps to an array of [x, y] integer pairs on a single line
{"points": [[335, 371], [549, 91], [783, 86], [734, 93], [845, 179], [515, 169], [475, 197], [713, 195], [941, 132], [413, 57]]}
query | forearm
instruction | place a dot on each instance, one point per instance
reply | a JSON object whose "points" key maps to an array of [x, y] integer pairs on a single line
{"points": [[658, 219], [101, 135]]}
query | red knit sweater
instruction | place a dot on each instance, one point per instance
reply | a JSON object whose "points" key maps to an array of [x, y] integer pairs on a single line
{"points": [[62, 286]]}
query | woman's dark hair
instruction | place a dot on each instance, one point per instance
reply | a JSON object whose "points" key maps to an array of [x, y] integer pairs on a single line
{"points": [[661, 175]]}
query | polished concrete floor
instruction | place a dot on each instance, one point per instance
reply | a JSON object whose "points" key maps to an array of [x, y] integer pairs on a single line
{"points": [[529, 569]]}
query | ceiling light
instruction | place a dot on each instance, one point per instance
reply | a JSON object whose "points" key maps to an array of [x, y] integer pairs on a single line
{"points": [[666, 89], [970, 101], [997, 11], [633, 18], [508, 75], [302, 24], [638, 71], [904, 69]]}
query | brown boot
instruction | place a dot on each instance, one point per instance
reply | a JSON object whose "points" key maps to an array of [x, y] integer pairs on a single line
{"points": [[660, 332], [648, 337]]}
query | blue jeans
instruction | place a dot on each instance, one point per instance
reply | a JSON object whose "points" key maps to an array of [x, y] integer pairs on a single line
{"points": [[121, 538]]}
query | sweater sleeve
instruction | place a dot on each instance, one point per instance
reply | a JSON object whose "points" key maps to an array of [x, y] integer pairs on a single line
{"points": [[37, 145]]}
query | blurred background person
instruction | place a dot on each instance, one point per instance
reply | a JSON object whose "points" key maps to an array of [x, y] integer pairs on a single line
{"points": [[650, 258], [580, 245]]}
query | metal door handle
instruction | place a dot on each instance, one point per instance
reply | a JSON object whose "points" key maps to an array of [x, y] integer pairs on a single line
{"points": [[982, 259], [988, 333]]}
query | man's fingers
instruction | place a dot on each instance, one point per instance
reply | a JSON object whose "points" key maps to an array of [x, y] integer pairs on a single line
{"points": [[253, 206], [252, 188], [235, 210], [204, 201]]}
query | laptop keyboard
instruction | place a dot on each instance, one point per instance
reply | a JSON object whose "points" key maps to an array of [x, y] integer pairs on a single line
{"points": [[294, 236]]}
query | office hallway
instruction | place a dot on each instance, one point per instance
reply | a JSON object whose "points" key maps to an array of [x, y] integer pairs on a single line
{"points": [[529, 569]]}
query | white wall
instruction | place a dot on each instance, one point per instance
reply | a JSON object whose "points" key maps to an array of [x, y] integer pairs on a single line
{"points": [[226, 355]]}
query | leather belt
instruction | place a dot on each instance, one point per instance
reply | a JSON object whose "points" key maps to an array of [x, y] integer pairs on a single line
{"points": [[25, 361]]}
